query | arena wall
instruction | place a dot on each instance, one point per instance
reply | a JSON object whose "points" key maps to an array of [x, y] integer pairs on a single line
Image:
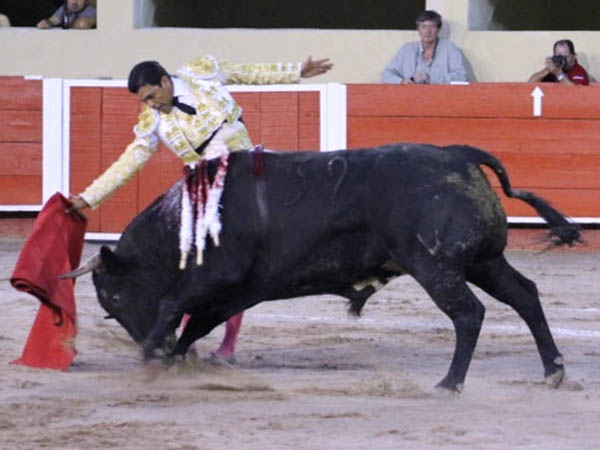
{"points": [[538, 159]]}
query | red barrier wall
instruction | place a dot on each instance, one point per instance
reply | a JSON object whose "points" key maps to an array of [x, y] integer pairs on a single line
{"points": [[556, 155], [102, 121], [20, 141]]}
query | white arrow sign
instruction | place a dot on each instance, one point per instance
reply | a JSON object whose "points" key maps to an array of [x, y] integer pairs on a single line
{"points": [[537, 95]]}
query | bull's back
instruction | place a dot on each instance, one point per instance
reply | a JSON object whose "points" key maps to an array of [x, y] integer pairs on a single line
{"points": [[435, 193]]}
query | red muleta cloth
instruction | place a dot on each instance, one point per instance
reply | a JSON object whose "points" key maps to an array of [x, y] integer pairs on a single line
{"points": [[52, 248]]}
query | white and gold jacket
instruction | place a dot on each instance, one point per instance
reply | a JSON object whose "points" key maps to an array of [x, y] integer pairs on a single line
{"points": [[183, 133]]}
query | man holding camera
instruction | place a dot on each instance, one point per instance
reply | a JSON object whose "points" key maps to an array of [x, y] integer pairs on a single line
{"points": [[562, 67]]}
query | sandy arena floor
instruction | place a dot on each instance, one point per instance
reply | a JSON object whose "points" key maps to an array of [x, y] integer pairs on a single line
{"points": [[308, 376]]}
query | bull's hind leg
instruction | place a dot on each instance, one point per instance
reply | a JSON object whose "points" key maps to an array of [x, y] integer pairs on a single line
{"points": [[500, 280], [447, 287]]}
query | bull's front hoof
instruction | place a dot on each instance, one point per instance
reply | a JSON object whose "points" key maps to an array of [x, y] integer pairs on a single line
{"points": [[449, 385], [152, 369], [150, 352], [442, 390], [192, 354], [555, 379]]}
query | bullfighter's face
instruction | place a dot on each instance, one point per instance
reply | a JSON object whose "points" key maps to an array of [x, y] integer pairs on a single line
{"points": [[158, 97]]}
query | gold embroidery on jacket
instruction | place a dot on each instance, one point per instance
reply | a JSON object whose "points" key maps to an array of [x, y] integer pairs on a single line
{"points": [[183, 133]]}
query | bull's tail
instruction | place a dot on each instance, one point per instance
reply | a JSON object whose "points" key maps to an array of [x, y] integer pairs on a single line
{"points": [[561, 231]]}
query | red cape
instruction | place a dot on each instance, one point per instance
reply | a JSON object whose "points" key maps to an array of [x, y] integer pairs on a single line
{"points": [[52, 248]]}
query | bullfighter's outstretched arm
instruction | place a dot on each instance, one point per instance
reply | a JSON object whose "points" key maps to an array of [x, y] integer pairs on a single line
{"points": [[208, 68], [129, 163]]}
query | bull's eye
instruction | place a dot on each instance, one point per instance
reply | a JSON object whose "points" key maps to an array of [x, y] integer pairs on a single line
{"points": [[116, 298]]}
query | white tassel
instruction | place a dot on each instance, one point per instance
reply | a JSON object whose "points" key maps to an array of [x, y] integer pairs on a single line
{"points": [[208, 220], [200, 236], [211, 220], [212, 217], [185, 229], [200, 233]]}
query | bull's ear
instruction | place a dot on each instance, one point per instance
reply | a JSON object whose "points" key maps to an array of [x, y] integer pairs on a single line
{"points": [[111, 261]]}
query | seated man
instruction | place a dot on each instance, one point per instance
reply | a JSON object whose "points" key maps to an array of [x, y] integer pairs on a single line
{"points": [[78, 14], [429, 60], [562, 67]]}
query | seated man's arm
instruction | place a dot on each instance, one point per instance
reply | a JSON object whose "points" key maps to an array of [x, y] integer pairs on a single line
{"points": [[549, 69], [541, 74], [397, 71], [50, 22], [84, 23], [392, 74], [86, 19], [538, 76], [457, 70]]}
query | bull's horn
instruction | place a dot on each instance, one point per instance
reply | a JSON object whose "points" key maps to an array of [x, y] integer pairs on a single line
{"points": [[92, 264]]}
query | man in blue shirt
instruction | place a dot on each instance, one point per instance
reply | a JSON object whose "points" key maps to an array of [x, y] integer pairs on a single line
{"points": [[429, 60]]}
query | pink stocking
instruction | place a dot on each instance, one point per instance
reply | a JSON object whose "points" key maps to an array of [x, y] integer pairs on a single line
{"points": [[232, 328]]}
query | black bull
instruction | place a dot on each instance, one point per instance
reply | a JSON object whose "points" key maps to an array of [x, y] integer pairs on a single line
{"points": [[322, 223]]}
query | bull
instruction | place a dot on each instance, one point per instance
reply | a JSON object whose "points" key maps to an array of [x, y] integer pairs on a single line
{"points": [[319, 223]]}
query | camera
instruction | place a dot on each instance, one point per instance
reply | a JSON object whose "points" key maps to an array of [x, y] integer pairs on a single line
{"points": [[67, 19], [559, 60]]}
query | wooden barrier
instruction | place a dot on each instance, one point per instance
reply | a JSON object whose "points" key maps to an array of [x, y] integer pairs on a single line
{"points": [[20, 141], [102, 120], [556, 155]]}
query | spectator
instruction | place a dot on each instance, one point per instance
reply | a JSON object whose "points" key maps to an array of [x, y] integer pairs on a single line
{"points": [[78, 14], [562, 67], [4, 22], [429, 60]]}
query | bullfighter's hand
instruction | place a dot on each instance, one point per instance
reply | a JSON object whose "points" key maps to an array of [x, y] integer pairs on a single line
{"points": [[549, 65], [312, 68], [77, 203]]}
